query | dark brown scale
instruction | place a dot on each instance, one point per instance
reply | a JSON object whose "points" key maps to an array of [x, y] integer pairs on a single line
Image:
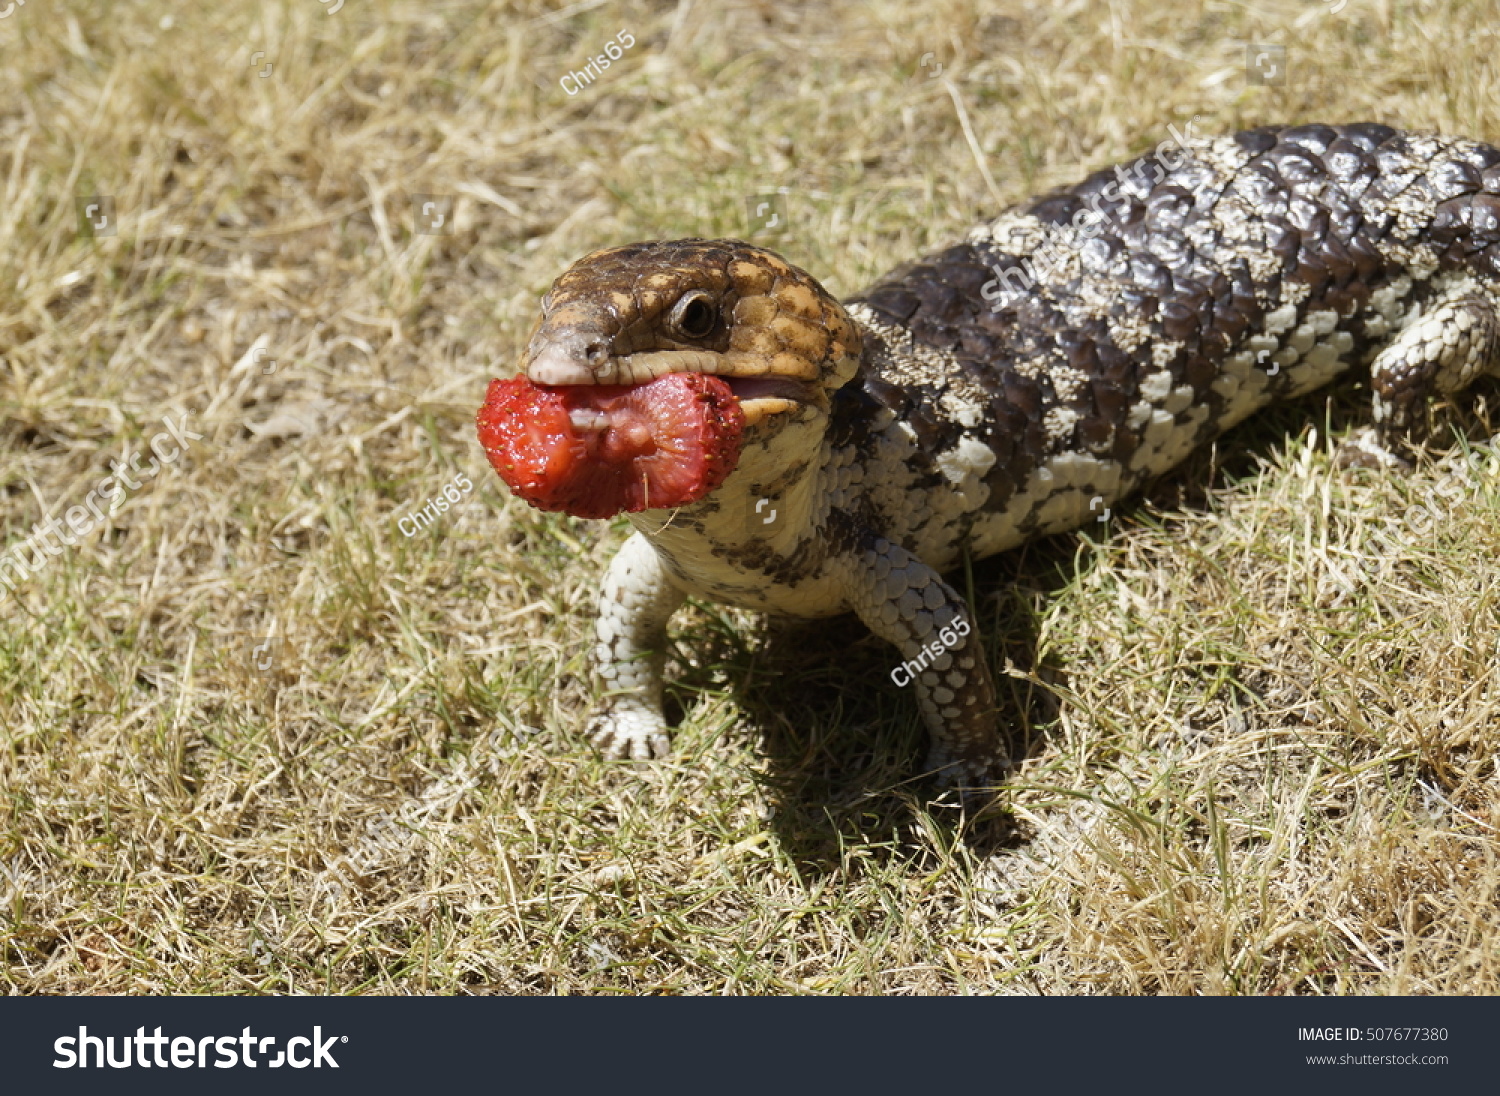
{"points": [[1057, 210], [1256, 140], [929, 428], [896, 302], [1295, 167], [1338, 260], [1315, 138], [1367, 261]]}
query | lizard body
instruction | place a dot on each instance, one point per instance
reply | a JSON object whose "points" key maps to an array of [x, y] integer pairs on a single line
{"points": [[1019, 382]]}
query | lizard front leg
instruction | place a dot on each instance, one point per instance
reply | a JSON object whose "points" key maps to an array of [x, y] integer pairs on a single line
{"points": [[635, 603], [906, 602]]}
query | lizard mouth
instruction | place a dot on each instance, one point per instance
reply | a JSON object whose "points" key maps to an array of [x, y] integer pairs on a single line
{"points": [[647, 431], [596, 450], [762, 397], [760, 392]]}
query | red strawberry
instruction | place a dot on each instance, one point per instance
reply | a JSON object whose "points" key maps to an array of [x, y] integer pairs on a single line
{"points": [[596, 450]]}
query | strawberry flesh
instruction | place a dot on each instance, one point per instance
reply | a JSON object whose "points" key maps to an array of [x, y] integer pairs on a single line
{"points": [[597, 450]]}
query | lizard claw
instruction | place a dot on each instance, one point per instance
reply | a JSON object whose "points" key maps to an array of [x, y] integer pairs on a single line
{"points": [[1362, 449], [629, 732]]}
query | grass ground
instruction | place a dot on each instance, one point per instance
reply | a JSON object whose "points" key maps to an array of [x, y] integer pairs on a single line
{"points": [[256, 739]]}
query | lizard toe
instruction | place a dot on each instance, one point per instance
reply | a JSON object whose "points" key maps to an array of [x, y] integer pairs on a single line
{"points": [[634, 734], [1362, 449]]}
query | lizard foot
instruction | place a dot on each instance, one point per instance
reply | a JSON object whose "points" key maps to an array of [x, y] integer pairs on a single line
{"points": [[1362, 449], [972, 777], [629, 731]]}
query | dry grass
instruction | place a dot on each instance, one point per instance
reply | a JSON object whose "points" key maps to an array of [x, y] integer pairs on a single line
{"points": [[1254, 780]]}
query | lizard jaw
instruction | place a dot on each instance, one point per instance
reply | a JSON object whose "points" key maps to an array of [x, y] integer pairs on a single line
{"points": [[761, 393], [762, 397]]}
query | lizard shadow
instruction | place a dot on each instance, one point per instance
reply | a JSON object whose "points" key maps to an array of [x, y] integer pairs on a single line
{"points": [[843, 744]]}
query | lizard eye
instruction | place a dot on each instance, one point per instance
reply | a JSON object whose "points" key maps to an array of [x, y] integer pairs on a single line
{"points": [[694, 315]]}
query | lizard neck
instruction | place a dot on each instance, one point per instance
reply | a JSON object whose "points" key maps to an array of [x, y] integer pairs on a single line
{"points": [[758, 540]]}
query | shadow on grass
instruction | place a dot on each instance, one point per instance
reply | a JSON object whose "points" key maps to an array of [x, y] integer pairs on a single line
{"points": [[843, 744]]}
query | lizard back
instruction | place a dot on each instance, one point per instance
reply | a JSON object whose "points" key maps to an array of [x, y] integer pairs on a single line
{"points": [[1021, 381]]}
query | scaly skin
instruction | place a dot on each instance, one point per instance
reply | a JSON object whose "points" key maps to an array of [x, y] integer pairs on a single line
{"points": [[980, 397]]}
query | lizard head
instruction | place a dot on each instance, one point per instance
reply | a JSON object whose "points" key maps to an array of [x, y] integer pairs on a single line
{"points": [[658, 356], [626, 315]]}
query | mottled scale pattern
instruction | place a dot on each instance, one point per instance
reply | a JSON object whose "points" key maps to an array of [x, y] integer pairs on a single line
{"points": [[1266, 264], [1021, 381]]}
